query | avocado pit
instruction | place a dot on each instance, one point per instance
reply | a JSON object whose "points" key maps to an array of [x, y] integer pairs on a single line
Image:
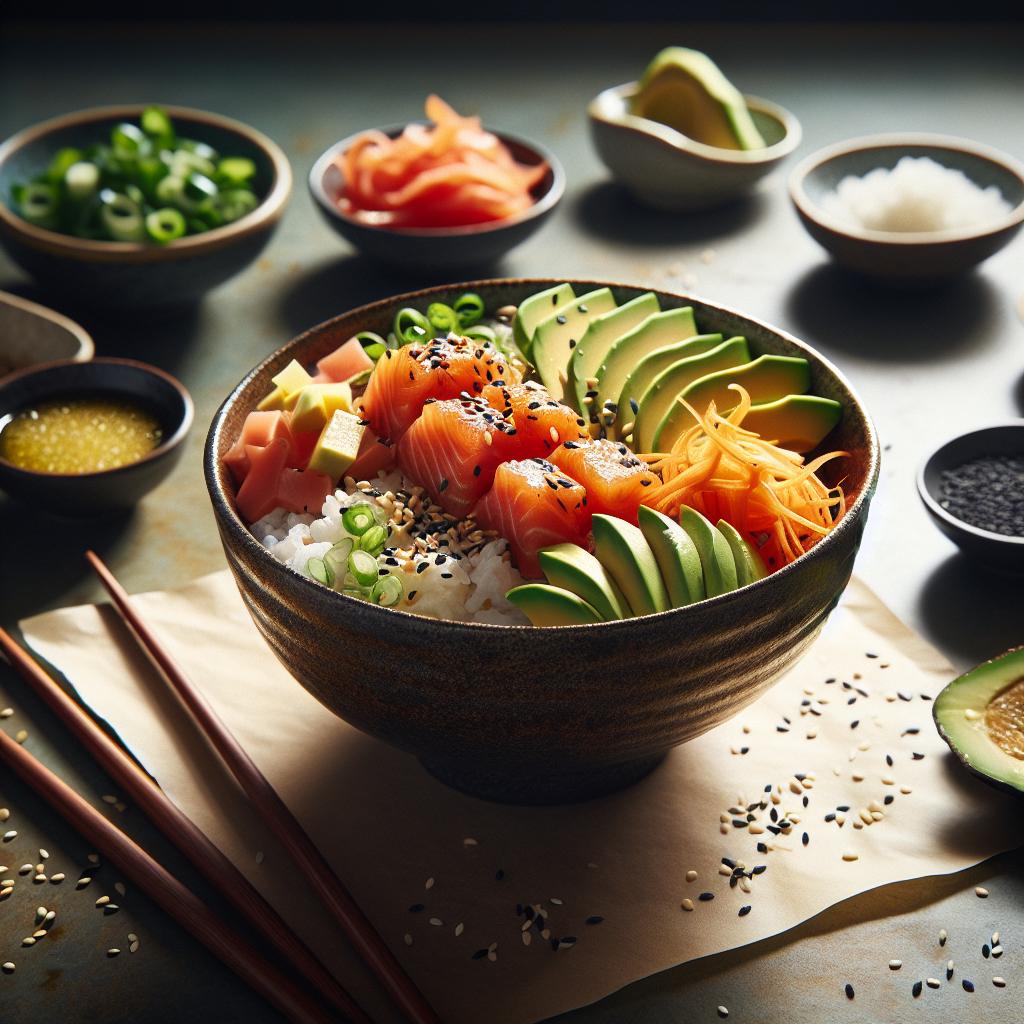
{"points": [[1004, 719]]}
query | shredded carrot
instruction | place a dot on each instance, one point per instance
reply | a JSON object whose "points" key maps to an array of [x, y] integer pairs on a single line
{"points": [[767, 492], [448, 174]]}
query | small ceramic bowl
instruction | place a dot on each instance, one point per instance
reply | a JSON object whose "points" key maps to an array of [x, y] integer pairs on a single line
{"points": [[521, 713], [997, 551], [907, 257], [136, 275], [110, 490], [473, 246], [666, 169], [31, 334]]}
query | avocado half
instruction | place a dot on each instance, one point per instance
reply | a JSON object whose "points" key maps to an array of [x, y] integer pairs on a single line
{"points": [[981, 716]]}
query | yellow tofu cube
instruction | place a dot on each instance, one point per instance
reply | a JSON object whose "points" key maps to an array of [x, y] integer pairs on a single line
{"points": [[338, 445], [315, 404], [289, 381]]}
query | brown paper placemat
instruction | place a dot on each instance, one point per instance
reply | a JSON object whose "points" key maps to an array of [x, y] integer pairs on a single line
{"points": [[401, 840]]}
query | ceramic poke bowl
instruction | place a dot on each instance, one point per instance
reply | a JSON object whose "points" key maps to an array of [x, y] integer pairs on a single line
{"points": [[541, 715], [31, 334], [139, 275], [907, 257], [662, 167], [437, 249]]}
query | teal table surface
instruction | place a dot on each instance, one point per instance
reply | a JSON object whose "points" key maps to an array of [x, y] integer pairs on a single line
{"points": [[928, 364]]}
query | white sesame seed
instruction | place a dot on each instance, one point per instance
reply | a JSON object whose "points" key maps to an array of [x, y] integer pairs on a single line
{"points": [[932, 982], [21, 735], [687, 904], [57, 878], [691, 875], [25, 869], [102, 901], [50, 915], [259, 856], [39, 879], [6, 712], [4, 813], [980, 891], [408, 939], [848, 856], [6, 891], [557, 902], [459, 929], [8, 836], [119, 888], [469, 841], [999, 982], [723, 1012], [83, 882], [895, 965], [39, 933], [943, 935], [44, 854], [906, 790], [133, 946], [429, 883], [436, 922], [997, 951], [93, 858], [28, 941], [114, 951], [7, 968], [526, 937]]}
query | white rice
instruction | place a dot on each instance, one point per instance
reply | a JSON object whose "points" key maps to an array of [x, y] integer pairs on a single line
{"points": [[918, 194], [470, 588]]}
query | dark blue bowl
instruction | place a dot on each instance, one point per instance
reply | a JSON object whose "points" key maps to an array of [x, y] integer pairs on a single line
{"points": [[472, 246], [136, 275], [110, 490]]}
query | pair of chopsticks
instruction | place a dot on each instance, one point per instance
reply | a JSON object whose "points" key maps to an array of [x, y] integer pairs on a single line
{"points": [[148, 875]]}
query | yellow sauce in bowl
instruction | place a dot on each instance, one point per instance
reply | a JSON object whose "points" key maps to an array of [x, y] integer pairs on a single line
{"points": [[79, 435]]}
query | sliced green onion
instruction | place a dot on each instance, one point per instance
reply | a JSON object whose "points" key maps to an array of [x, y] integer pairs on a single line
{"points": [[319, 570], [165, 225], [157, 125], [411, 326], [182, 163], [387, 591], [170, 190], [374, 539], [481, 332], [81, 179], [39, 203], [442, 317], [337, 557], [357, 519], [200, 149], [149, 172], [469, 309], [122, 217], [60, 163], [373, 344], [236, 170], [363, 567], [196, 226], [233, 204], [127, 140], [198, 187]]}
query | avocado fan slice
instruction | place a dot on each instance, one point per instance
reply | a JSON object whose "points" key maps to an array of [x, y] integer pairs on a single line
{"points": [[716, 557], [676, 555], [981, 716], [749, 567], [535, 308], [545, 605], [575, 569], [623, 550], [797, 422]]}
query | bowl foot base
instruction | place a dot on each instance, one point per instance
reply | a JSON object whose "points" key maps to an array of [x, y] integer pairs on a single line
{"points": [[519, 784]]}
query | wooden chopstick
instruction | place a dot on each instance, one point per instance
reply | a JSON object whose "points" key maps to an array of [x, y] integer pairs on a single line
{"points": [[181, 830], [163, 888], [276, 815]]}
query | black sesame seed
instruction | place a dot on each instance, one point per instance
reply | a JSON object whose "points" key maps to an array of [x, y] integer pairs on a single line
{"points": [[561, 318], [968, 985], [479, 954], [499, 874], [888, 760], [916, 989], [805, 839], [761, 848], [704, 897], [744, 911], [416, 908], [594, 919], [888, 799], [986, 952], [759, 869], [917, 757], [848, 990]]}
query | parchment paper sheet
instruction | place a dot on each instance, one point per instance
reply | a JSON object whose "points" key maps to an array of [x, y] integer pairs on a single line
{"points": [[388, 827]]}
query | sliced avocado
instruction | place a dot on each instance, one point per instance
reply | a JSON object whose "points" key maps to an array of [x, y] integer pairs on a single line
{"points": [[981, 716], [716, 557], [545, 605], [797, 422], [622, 549], [685, 90], [661, 395], [556, 337], [749, 567], [288, 382], [766, 379], [676, 555], [598, 339], [536, 308], [338, 445], [575, 569], [643, 373]]}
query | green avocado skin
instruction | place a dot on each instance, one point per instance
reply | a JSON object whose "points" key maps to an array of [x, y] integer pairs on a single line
{"points": [[676, 555], [959, 713], [716, 556]]}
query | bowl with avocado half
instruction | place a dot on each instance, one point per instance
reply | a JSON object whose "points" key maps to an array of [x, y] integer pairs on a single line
{"points": [[981, 716], [684, 137], [549, 706]]}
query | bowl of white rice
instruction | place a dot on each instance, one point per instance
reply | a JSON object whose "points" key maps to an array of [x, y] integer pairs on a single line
{"points": [[913, 208]]}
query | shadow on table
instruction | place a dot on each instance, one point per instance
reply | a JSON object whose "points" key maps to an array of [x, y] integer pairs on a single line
{"points": [[43, 555], [873, 321], [342, 284], [609, 212], [973, 613], [162, 337], [1018, 394]]}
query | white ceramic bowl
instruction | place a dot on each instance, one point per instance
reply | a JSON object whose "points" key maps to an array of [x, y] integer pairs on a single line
{"points": [[31, 334], [666, 169]]}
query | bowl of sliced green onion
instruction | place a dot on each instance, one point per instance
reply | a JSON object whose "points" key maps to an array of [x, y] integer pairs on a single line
{"points": [[139, 206]]}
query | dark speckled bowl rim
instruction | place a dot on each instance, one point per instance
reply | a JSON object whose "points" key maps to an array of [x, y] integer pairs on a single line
{"points": [[932, 504], [269, 211], [911, 141], [682, 145], [540, 206], [229, 519], [168, 444]]}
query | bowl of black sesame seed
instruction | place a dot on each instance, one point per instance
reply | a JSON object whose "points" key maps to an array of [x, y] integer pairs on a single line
{"points": [[973, 489]]}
